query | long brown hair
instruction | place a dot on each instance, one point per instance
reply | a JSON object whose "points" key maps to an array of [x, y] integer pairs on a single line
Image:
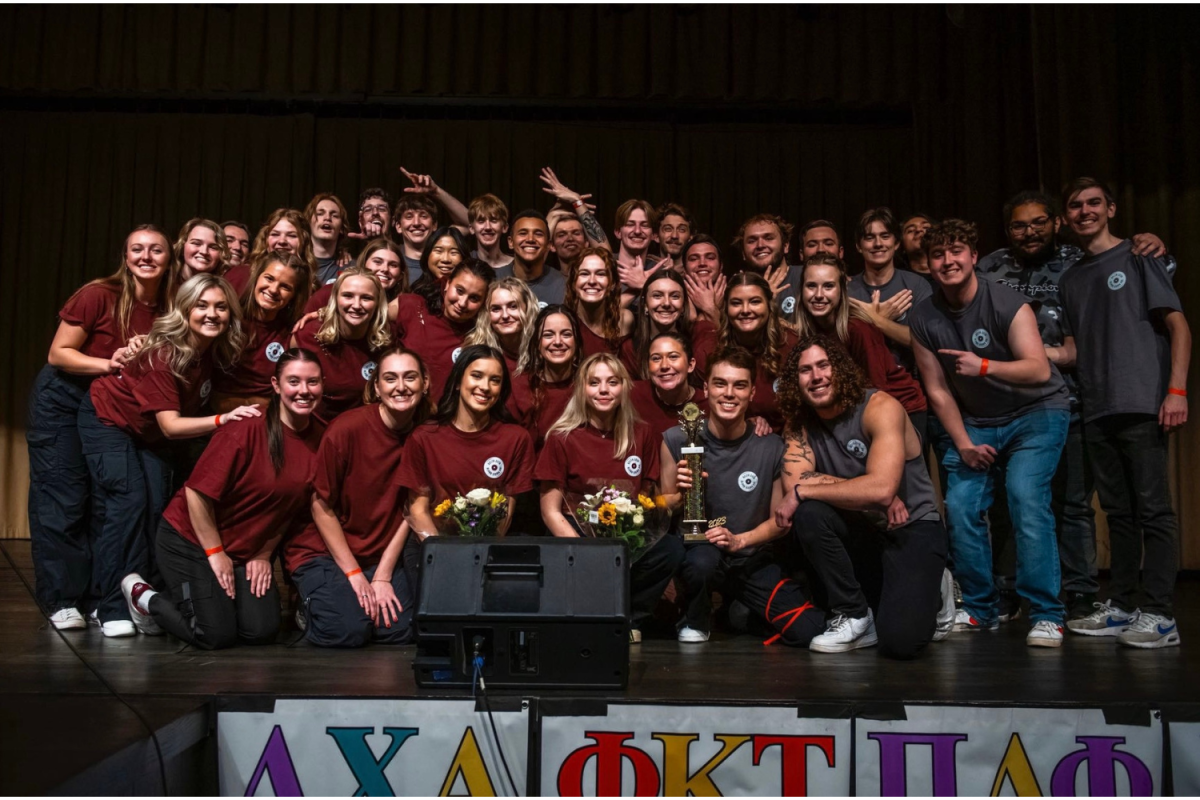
{"points": [[297, 220], [274, 422], [806, 325], [849, 382], [611, 317], [536, 363], [643, 328], [295, 308], [126, 285], [768, 347]]}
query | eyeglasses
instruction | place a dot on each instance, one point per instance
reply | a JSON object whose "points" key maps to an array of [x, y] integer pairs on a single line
{"points": [[379, 209], [1020, 228]]}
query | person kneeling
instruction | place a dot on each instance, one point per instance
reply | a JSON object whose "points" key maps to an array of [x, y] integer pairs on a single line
{"points": [[861, 504], [216, 538]]}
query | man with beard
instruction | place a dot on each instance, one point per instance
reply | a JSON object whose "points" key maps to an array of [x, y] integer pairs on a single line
{"points": [[675, 228], [859, 500], [1005, 408], [488, 217], [529, 241], [911, 231], [1033, 264], [763, 240], [374, 214], [326, 224], [237, 234], [415, 217], [819, 236]]}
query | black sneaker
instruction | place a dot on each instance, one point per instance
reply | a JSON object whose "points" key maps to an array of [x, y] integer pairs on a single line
{"points": [[1080, 604], [1009, 607]]}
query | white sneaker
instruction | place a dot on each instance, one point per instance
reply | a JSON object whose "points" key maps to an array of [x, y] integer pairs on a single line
{"points": [[692, 636], [118, 629], [945, 617], [1106, 620], [94, 618], [132, 586], [1045, 633], [963, 621], [1150, 632], [846, 633], [68, 619]]}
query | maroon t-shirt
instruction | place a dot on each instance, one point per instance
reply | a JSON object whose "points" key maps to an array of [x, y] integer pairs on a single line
{"points": [[629, 358], [869, 348], [435, 339], [94, 309], [356, 472], [129, 400], [591, 344], [538, 418], [583, 461], [704, 343], [238, 277], [346, 366], [252, 503], [657, 414], [251, 376], [318, 299], [449, 462]]}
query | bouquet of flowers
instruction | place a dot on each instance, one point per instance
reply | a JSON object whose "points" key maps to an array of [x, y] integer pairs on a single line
{"points": [[613, 514], [478, 513]]}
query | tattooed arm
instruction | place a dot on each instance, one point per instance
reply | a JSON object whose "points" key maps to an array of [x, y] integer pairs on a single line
{"points": [[579, 205]]}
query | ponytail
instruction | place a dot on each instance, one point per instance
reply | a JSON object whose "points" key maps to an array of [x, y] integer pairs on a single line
{"points": [[274, 423]]}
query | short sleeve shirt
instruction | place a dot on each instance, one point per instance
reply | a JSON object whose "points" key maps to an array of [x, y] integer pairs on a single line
{"points": [[550, 287], [447, 462], [94, 308], [583, 461], [130, 399], [251, 376]]}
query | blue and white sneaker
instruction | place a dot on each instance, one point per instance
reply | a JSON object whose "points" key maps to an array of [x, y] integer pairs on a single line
{"points": [[1106, 620], [1150, 631]]}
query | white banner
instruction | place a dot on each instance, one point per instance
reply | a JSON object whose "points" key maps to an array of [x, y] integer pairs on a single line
{"points": [[945, 751], [704, 751], [378, 748], [1185, 758]]}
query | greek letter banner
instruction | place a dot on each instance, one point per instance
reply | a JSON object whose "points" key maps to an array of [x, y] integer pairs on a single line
{"points": [[700, 751], [946, 751], [377, 748]]}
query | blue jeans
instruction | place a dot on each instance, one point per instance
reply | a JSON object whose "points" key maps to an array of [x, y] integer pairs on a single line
{"points": [[1027, 455]]}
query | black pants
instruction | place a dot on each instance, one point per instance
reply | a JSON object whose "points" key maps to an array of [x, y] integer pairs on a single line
{"points": [[858, 566], [58, 491], [755, 579], [193, 607], [650, 574], [1129, 457], [335, 618]]}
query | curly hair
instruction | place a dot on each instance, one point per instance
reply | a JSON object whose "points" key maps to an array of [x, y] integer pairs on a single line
{"points": [[948, 232], [172, 332], [611, 318], [770, 339], [849, 383]]}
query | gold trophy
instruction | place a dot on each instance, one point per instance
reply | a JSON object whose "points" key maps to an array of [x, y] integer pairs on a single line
{"points": [[695, 520]]}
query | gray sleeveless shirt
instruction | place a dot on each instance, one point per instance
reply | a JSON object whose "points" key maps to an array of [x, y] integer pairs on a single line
{"points": [[840, 448]]}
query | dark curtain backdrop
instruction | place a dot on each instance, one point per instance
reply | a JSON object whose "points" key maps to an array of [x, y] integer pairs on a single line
{"points": [[117, 115]]}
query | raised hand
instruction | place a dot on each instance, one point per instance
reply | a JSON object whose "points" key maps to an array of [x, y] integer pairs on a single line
{"points": [[557, 188], [421, 184]]}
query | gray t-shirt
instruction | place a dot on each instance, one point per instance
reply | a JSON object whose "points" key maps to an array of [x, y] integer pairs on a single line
{"points": [[327, 270], [982, 328], [414, 269], [1123, 360], [840, 449], [789, 298], [550, 287], [741, 474], [508, 266], [901, 279]]}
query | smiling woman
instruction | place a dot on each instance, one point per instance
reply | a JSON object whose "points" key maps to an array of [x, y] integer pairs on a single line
{"points": [[201, 248]]}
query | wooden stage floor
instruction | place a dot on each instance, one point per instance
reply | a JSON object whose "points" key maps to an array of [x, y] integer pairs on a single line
{"points": [[58, 718]]}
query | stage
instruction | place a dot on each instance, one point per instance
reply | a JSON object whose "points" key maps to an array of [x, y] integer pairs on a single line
{"points": [[65, 731]]}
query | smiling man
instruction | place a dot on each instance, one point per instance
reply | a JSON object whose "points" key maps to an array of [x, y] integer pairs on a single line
{"points": [[764, 240], [530, 243], [488, 217], [675, 227]]}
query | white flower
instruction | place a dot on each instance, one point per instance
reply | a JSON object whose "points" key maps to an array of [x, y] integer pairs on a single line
{"points": [[479, 497], [623, 505], [638, 519], [460, 503]]}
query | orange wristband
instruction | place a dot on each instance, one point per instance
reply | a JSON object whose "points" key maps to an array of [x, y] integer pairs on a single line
{"points": [[217, 420], [354, 572], [212, 551], [1180, 392], [983, 367]]}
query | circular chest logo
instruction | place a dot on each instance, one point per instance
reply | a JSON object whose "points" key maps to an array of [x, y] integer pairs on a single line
{"points": [[368, 370], [747, 481], [633, 466], [493, 467], [1051, 313], [981, 338], [1116, 280], [856, 448], [274, 351], [788, 305], [775, 386], [454, 356], [205, 390]]}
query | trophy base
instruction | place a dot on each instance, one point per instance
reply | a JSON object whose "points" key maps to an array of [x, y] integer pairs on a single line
{"points": [[693, 531]]}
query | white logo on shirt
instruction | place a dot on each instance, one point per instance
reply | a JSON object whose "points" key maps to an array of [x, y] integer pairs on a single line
{"points": [[775, 386], [633, 466], [981, 338], [331, 280], [205, 389], [747, 481], [1116, 280], [542, 304], [856, 448], [493, 467], [1050, 312], [368, 370], [274, 351], [454, 356], [788, 305]]}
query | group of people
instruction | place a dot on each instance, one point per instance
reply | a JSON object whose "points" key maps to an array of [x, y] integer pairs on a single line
{"points": [[234, 397]]}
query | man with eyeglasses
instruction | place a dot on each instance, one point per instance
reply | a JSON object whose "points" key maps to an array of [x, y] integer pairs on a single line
{"points": [[1033, 264], [374, 214]]}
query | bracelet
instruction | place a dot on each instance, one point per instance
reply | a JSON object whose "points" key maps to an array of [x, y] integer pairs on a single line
{"points": [[380, 580], [217, 420], [354, 572], [1178, 392], [578, 204], [983, 365], [212, 551]]}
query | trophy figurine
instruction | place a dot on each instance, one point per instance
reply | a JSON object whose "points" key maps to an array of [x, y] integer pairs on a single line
{"points": [[695, 519]]}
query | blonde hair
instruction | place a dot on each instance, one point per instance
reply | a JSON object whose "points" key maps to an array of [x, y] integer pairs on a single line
{"points": [[383, 243], [172, 332], [297, 220], [186, 231], [126, 285], [575, 415], [330, 331], [846, 311], [483, 333]]}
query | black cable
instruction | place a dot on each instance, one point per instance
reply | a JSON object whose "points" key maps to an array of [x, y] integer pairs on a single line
{"points": [[478, 681], [162, 767]]}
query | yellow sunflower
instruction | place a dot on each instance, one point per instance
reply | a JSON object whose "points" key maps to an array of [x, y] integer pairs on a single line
{"points": [[442, 508], [607, 514], [660, 501], [497, 499], [645, 502]]}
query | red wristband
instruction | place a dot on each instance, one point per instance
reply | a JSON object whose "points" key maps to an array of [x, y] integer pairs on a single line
{"points": [[354, 572], [217, 420], [212, 551], [983, 367], [1180, 392]]}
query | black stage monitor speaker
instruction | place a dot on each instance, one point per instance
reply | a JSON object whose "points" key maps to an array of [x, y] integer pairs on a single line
{"points": [[539, 611]]}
